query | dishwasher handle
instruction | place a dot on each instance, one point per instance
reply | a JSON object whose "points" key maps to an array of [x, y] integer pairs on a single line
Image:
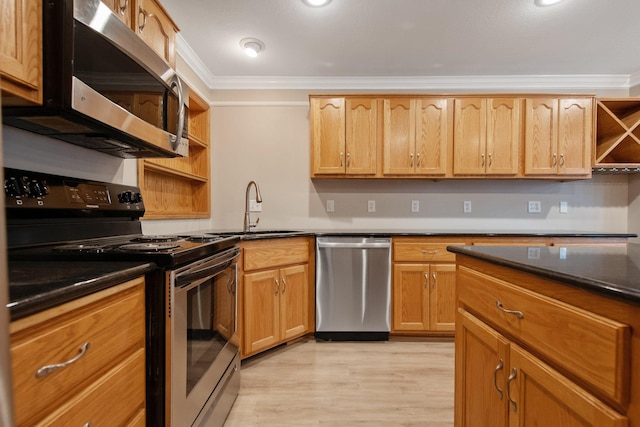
{"points": [[353, 245]]}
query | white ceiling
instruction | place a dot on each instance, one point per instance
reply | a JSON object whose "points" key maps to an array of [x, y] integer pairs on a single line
{"points": [[410, 40]]}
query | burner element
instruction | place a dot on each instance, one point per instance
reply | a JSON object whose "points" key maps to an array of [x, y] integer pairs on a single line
{"points": [[80, 248], [149, 247], [155, 239]]}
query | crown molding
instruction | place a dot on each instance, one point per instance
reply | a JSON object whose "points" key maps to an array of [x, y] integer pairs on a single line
{"points": [[516, 83], [485, 83], [193, 60]]}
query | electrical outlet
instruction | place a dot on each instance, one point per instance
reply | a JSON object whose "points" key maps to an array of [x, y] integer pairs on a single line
{"points": [[535, 206], [466, 206], [255, 206], [415, 206], [371, 206], [533, 252], [564, 207], [331, 206]]}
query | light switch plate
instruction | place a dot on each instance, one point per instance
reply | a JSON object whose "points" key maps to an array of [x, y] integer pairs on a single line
{"points": [[371, 206], [331, 206], [415, 206], [564, 207], [466, 206]]}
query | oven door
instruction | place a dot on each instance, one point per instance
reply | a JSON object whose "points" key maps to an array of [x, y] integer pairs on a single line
{"points": [[203, 333]]}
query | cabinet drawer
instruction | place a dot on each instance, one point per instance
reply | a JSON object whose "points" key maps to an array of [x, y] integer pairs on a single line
{"points": [[592, 348], [114, 399], [113, 326], [416, 251], [270, 253]]}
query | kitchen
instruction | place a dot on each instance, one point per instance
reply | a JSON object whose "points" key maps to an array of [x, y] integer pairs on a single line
{"points": [[274, 151]]}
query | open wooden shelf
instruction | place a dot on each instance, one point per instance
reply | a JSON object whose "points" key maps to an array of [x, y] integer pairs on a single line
{"points": [[180, 187], [617, 135]]}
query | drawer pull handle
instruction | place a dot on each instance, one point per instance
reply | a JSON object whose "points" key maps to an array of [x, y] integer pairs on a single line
{"points": [[46, 370], [495, 377], [430, 252], [518, 314], [124, 7], [514, 374]]}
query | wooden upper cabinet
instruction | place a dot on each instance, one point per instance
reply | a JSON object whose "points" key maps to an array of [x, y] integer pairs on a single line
{"points": [[416, 136], [156, 28], [344, 136], [470, 136], [399, 136], [21, 52], [327, 117], [122, 8], [432, 136], [575, 136], [487, 136], [558, 136], [361, 136]]}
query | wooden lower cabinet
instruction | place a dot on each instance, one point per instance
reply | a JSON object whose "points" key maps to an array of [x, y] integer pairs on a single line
{"points": [[423, 286], [424, 297], [500, 384], [276, 298], [104, 335], [275, 306], [535, 352]]}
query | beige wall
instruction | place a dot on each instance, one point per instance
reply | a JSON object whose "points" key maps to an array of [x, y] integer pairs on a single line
{"points": [[264, 136]]}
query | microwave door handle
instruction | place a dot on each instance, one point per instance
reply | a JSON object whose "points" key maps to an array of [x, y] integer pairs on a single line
{"points": [[175, 140]]}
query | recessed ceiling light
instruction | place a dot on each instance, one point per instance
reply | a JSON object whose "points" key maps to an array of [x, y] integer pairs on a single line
{"points": [[252, 47], [546, 2], [316, 3]]}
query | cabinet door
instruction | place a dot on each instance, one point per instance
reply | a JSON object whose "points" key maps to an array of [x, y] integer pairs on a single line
{"points": [[21, 51], [399, 136], [122, 8], [328, 135], [575, 137], [541, 136], [442, 297], [540, 396], [410, 297], [261, 311], [481, 362], [362, 135], [294, 301], [155, 27], [469, 139], [503, 136], [432, 136]]}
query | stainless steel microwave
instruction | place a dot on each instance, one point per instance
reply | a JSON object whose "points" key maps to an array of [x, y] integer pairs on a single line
{"points": [[103, 87]]}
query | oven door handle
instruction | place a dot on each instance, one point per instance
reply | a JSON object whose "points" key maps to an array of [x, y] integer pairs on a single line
{"points": [[198, 272]]}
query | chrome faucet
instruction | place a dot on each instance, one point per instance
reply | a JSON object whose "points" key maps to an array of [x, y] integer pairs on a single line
{"points": [[247, 213]]}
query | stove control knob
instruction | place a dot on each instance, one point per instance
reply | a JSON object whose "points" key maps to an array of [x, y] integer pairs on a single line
{"points": [[136, 198], [14, 187], [125, 197], [38, 188]]}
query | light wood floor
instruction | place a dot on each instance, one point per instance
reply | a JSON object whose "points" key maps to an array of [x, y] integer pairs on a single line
{"points": [[309, 383]]}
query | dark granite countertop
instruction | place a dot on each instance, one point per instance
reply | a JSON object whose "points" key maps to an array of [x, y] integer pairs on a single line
{"points": [[273, 234], [612, 271], [36, 286]]}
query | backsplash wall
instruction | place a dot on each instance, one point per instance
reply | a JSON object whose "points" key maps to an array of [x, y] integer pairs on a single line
{"points": [[264, 136]]}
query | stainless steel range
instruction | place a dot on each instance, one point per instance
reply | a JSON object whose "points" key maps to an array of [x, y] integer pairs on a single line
{"points": [[192, 360]]}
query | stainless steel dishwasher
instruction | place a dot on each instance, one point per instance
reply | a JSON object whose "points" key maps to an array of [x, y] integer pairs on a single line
{"points": [[353, 288]]}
